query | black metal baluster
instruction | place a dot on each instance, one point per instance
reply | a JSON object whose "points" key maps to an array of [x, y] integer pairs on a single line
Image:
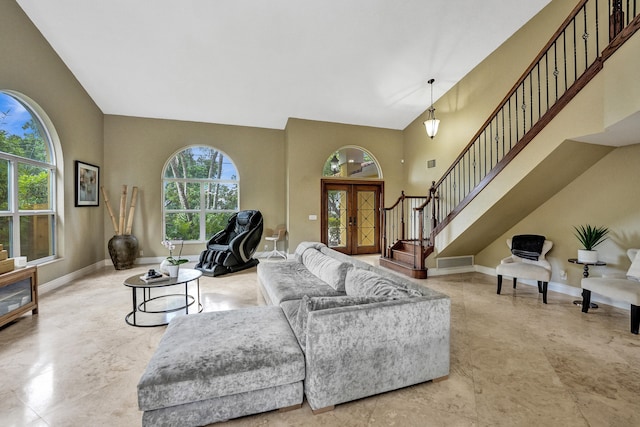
{"points": [[530, 99], [585, 37], [597, 30], [555, 70], [524, 111], [539, 95], [510, 126], [503, 138]]}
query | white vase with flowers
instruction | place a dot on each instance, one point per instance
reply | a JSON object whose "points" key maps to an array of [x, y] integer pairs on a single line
{"points": [[172, 264]]}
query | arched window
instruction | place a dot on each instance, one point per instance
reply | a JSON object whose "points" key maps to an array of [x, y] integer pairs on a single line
{"points": [[200, 189], [351, 162], [27, 181]]}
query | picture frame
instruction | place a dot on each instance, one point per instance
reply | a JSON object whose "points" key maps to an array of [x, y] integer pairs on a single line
{"points": [[87, 184]]}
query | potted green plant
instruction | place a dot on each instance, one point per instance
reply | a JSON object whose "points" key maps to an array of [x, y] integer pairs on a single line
{"points": [[590, 237]]}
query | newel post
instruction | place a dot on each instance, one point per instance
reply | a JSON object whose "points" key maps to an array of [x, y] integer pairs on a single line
{"points": [[433, 194]]}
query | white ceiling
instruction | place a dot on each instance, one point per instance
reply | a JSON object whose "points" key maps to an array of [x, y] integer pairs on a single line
{"points": [[259, 62]]}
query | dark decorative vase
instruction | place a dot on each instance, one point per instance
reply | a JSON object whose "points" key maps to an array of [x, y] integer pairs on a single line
{"points": [[123, 250]]}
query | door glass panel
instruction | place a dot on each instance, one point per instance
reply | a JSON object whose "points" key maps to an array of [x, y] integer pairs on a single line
{"points": [[366, 218], [337, 218]]}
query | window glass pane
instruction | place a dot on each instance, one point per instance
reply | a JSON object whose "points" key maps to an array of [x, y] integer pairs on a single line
{"points": [[216, 222], [36, 236], [182, 195], [221, 196], [33, 187], [21, 133], [351, 162], [200, 163], [5, 234], [4, 185], [182, 226]]}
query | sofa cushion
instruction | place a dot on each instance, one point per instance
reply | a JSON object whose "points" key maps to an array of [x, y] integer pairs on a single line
{"points": [[290, 280], [298, 313], [329, 270], [303, 246], [368, 283], [208, 355], [346, 258]]}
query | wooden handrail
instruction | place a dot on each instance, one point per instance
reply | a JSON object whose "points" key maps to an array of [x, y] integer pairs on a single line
{"points": [[515, 87]]}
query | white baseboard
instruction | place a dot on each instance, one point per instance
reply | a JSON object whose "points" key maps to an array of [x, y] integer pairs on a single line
{"points": [[560, 288], [63, 280]]}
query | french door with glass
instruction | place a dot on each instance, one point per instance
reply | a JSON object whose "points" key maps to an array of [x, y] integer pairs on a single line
{"points": [[351, 216]]}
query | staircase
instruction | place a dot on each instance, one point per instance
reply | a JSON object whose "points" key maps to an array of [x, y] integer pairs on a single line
{"points": [[563, 68]]}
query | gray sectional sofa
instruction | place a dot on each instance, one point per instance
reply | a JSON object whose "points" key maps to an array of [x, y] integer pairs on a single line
{"points": [[334, 329], [363, 330]]}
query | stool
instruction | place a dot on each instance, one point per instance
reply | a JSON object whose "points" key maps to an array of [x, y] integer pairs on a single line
{"points": [[212, 367]]}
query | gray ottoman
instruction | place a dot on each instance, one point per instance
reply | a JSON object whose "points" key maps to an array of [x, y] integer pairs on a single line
{"points": [[211, 367]]}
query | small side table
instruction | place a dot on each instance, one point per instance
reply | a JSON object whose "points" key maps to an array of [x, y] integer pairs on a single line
{"points": [[585, 274]]}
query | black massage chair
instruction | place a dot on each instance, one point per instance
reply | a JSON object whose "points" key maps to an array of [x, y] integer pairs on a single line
{"points": [[231, 249]]}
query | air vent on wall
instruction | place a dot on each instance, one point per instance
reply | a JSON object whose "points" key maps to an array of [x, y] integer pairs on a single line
{"points": [[455, 262]]}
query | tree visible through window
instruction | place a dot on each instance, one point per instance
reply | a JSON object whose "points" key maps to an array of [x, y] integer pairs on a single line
{"points": [[27, 177], [200, 193]]}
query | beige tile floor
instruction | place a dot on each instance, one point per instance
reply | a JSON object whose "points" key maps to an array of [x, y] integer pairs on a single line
{"points": [[514, 361]]}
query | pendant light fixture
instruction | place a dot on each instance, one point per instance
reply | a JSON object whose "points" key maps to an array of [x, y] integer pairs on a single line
{"points": [[431, 124]]}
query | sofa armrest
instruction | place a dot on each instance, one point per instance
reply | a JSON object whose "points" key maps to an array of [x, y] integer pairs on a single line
{"points": [[358, 351]]}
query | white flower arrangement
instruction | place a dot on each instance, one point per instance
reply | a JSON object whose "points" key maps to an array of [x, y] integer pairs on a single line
{"points": [[171, 247]]}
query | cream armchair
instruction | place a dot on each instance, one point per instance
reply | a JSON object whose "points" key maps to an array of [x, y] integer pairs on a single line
{"points": [[517, 267], [618, 289]]}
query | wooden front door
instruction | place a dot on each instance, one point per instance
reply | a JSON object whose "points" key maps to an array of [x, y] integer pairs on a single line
{"points": [[351, 216]]}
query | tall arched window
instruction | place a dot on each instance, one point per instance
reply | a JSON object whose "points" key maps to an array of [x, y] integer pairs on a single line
{"points": [[27, 181], [200, 188]]}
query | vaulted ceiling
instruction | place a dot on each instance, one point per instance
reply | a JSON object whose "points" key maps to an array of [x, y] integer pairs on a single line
{"points": [[257, 62]]}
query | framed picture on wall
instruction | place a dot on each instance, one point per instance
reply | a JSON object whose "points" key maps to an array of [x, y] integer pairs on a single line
{"points": [[87, 184]]}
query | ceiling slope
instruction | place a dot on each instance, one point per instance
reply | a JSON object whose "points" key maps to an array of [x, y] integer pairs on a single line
{"points": [[257, 63]]}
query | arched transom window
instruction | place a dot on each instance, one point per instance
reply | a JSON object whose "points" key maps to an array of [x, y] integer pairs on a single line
{"points": [[27, 181], [200, 190], [351, 162]]}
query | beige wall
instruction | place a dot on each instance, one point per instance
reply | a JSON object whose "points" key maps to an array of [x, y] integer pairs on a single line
{"points": [[464, 108], [309, 145], [31, 67], [136, 150], [605, 195]]}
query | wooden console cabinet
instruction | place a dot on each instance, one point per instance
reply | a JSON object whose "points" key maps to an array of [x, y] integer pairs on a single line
{"points": [[18, 293]]}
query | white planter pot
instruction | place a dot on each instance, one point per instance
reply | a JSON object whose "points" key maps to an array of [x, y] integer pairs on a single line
{"points": [[163, 266], [173, 270], [587, 256]]}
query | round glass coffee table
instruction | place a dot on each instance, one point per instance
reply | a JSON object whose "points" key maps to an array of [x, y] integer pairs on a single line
{"points": [[166, 302]]}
